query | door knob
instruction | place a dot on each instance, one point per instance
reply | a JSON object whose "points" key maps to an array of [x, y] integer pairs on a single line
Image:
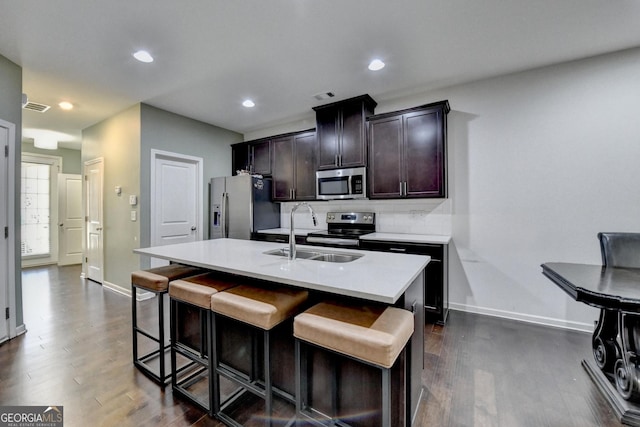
{"points": [[193, 228], [61, 225], [99, 229]]}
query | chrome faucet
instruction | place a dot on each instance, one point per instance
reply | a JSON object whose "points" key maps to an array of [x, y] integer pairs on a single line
{"points": [[292, 234]]}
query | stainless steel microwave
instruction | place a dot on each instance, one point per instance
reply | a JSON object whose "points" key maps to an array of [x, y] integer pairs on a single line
{"points": [[348, 183]]}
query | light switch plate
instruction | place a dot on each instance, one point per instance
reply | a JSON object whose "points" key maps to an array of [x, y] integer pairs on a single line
{"points": [[133, 200], [134, 215]]}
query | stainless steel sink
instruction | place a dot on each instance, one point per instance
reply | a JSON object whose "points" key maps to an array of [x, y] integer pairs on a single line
{"points": [[316, 255], [300, 253], [336, 257]]}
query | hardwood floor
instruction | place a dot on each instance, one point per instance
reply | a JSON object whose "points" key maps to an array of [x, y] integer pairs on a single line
{"points": [[479, 371]]}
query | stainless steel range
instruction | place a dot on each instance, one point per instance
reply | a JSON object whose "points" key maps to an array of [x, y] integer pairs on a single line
{"points": [[344, 229]]}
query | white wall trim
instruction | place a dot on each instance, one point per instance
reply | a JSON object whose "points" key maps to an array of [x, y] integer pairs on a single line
{"points": [[117, 289], [528, 318], [140, 296], [21, 329]]}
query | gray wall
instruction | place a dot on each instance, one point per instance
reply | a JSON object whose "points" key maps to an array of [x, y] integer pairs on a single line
{"points": [[71, 159], [125, 142], [117, 140], [11, 111], [162, 130]]}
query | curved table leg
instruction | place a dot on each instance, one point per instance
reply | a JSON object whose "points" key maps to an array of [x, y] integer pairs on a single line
{"points": [[625, 371], [605, 351]]}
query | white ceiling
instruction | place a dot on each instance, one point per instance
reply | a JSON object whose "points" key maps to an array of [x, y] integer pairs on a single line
{"points": [[212, 54]]}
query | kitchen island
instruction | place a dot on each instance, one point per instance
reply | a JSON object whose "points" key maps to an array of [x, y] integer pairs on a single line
{"points": [[386, 278], [380, 277]]}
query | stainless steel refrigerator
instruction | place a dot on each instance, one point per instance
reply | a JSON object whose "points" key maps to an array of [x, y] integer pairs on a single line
{"points": [[241, 205]]}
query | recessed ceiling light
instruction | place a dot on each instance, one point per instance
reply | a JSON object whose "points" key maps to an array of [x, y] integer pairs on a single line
{"points": [[66, 105], [376, 65], [143, 56], [248, 103]]}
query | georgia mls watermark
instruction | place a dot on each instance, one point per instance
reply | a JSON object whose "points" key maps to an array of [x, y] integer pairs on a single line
{"points": [[31, 416]]}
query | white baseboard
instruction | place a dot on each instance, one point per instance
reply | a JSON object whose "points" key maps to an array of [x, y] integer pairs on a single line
{"points": [[117, 289], [529, 318], [141, 296], [21, 329]]}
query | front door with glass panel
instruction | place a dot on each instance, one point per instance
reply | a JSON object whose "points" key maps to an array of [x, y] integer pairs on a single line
{"points": [[39, 209]]}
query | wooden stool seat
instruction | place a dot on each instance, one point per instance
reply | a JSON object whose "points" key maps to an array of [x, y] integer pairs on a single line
{"points": [[155, 280], [197, 290], [374, 334], [367, 334], [263, 308], [193, 295], [263, 312]]}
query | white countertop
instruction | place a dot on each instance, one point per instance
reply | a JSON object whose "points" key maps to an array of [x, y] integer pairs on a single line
{"points": [[391, 237], [409, 238], [377, 276], [285, 231]]}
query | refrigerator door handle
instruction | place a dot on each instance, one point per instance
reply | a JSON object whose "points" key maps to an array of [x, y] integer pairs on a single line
{"points": [[223, 214]]}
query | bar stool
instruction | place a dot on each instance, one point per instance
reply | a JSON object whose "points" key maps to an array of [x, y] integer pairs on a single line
{"points": [[371, 335], [155, 280], [193, 293], [262, 310]]}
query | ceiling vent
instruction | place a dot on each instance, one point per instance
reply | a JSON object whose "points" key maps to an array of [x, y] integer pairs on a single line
{"points": [[324, 95], [34, 106]]}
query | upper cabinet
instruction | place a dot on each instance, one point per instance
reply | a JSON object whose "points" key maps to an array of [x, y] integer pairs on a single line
{"points": [[260, 155], [252, 156], [407, 152], [294, 166], [341, 132], [240, 157]]}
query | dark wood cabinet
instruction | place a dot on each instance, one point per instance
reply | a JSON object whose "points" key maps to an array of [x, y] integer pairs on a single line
{"points": [[252, 156], [239, 157], [278, 238], [260, 156], [294, 166], [341, 132], [407, 152], [436, 286]]}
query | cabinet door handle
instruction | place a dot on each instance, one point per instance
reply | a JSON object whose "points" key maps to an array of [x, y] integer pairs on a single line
{"points": [[339, 159], [401, 188], [405, 188], [397, 249], [335, 160]]}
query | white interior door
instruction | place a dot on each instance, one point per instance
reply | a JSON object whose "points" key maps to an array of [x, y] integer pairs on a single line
{"points": [[94, 257], [69, 219], [4, 243], [176, 199]]}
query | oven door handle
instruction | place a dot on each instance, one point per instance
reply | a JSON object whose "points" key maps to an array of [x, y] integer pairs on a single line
{"points": [[333, 241]]}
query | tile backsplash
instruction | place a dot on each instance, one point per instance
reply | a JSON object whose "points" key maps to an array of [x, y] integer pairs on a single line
{"points": [[418, 216]]}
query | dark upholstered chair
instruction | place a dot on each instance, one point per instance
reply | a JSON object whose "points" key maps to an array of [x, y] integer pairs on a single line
{"points": [[620, 249]]}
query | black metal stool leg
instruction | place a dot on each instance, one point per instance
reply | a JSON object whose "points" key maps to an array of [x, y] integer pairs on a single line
{"points": [[161, 345]]}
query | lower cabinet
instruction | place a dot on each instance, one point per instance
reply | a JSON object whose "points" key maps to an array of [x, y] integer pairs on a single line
{"points": [[277, 238], [436, 288]]}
